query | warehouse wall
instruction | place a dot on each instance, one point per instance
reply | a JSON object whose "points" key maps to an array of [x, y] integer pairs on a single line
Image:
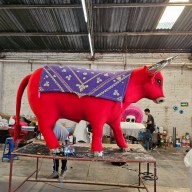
{"points": [[177, 88], [1, 86]]}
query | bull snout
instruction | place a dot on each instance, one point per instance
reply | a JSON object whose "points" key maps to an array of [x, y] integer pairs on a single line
{"points": [[159, 100]]}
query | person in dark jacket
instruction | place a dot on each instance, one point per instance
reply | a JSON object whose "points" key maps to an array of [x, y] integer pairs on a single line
{"points": [[150, 123]]}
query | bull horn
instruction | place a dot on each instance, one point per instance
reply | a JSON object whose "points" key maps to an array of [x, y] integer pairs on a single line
{"points": [[160, 65]]}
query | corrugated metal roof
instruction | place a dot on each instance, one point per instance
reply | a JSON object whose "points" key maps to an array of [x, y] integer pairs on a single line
{"points": [[71, 43], [42, 20], [126, 19], [71, 20], [144, 43]]}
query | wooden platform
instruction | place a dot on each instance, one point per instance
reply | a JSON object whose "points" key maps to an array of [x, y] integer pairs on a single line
{"points": [[112, 153]]}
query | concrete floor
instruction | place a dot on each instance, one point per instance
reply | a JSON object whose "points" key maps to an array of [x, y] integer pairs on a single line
{"points": [[173, 176]]}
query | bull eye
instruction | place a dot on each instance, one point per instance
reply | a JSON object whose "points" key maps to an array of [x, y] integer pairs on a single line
{"points": [[159, 81]]}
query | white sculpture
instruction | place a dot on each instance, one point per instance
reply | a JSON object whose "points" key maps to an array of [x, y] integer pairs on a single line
{"points": [[130, 119]]}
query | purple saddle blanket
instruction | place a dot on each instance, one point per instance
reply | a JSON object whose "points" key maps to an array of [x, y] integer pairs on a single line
{"points": [[110, 85]]}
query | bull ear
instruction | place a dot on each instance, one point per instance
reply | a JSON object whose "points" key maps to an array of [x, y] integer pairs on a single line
{"points": [[153, 69]]}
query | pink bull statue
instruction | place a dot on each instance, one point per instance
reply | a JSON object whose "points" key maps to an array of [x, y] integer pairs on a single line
{"points": [[98, 97]]}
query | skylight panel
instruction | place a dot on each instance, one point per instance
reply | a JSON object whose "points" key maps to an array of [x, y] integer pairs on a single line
{"points": [[170, 15]]}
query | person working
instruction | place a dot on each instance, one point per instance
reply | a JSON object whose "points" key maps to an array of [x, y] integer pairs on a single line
{"points": [[150, 128], [150, 123], [61, 134]]}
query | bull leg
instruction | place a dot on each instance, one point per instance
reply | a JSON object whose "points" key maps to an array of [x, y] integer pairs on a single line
{"points": [[46, 126], [118, 134], [97, 130]]}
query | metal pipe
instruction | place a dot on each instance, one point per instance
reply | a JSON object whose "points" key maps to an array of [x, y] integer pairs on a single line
{"points": [[37, 34], [143, 33], [63, 6], [125, 33], [27, 179], [37, 168], [87, 62], [10, 173], [139, 174], [90, 183], [174, 136], [155, 177], [143, 183], [128, 5], [95, 6]]}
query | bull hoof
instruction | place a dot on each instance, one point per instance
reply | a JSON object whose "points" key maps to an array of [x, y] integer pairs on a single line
{"points": [[54, 151], [98, 153], [125, 149]]}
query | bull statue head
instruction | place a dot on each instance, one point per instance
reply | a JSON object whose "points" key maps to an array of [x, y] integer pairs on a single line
{"points": [[147, 82], [153, 71]]}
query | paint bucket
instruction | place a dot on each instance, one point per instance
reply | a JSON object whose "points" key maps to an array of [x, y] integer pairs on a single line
{"points": [[106, 139], [183, 143], [178, 145]]}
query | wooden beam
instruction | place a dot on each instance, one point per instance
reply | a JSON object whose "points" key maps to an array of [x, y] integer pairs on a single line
{"points": [[129, 5], [63, 6]]}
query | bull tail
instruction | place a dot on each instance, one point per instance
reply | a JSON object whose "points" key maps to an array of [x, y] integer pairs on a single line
{"points": [[22, 86]]}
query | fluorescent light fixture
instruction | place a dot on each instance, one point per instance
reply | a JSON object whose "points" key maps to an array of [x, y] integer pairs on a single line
{"points": [[84, 10], [90, 43], [170, 15]]}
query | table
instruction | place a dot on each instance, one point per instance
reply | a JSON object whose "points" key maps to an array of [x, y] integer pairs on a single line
{"points": [[132, 129], [112, 153]]}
